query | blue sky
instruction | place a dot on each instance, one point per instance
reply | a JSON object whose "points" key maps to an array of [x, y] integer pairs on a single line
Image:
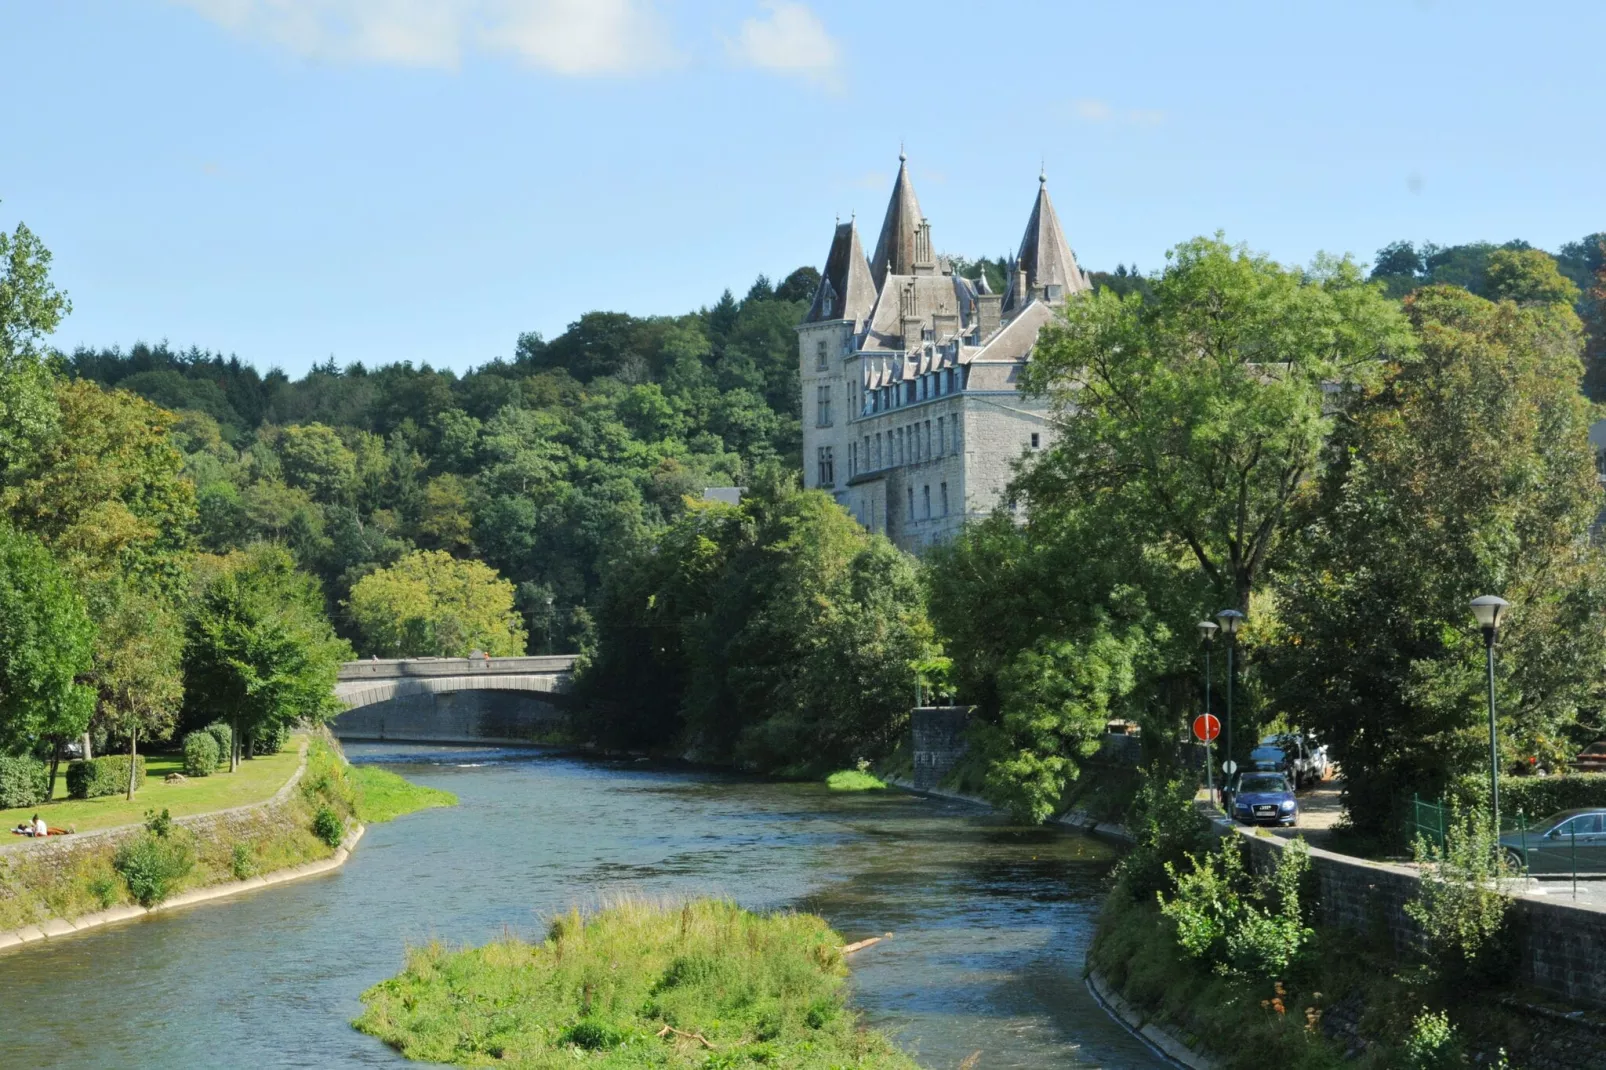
{"points": [[424, 179]]}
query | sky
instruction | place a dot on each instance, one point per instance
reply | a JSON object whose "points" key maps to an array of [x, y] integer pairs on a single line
{"points": [[423, 180]]}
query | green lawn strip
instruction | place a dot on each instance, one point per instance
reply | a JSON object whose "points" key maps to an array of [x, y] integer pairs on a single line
{"points": [[256, 781], [384, 796], [741, 989], [854, 780]]}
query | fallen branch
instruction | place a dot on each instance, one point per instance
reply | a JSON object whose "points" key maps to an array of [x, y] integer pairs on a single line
{"points": [[862, 944], [668, 1029]]}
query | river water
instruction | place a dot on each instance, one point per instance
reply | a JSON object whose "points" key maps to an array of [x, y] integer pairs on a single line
{"points": [[990, 923]]}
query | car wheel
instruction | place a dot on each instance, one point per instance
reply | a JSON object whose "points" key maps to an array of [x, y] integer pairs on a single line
{"points": [[1515, 861]]}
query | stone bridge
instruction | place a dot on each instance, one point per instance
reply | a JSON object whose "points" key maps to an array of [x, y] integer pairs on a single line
{"points": [[455, 700]]}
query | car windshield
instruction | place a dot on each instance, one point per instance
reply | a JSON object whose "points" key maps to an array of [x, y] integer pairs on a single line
{"points": [[1263, 783]]}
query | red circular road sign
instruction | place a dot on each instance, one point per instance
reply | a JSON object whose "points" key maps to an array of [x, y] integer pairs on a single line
{"points": [[1206, 726]]}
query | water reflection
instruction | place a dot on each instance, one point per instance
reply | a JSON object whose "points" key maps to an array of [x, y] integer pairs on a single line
{"points": [[990, 923]]}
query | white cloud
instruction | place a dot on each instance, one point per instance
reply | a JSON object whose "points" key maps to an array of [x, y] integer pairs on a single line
{"points": [[570, 37], [789, 39], [1090, 110]]}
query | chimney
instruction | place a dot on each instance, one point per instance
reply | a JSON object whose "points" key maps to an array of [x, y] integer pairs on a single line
{"points": [[925, 260], [909, 311], [989, 314], [1018, 299]]}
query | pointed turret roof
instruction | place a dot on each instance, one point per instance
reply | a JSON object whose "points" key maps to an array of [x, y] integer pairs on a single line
{"points": [[846, 291], [895, 250], [1044, 252]]}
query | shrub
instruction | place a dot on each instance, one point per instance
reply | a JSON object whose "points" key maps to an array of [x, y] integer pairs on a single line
{"points": [[328, 827], [152, 865], [1166, 830], [23, 782], [159, 823], [1536, 797], [1458, 904], [103, 776], [242, 862], [224, 735], [200, 754], [592, 1035], [269, 738], [1432, 1043], [1237, 923]]}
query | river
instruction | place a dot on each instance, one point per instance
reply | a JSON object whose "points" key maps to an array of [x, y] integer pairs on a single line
{"points": [[990, 923]]}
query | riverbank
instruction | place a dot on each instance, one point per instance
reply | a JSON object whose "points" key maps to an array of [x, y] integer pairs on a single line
{"points": [[636, 984], [309, 826]]}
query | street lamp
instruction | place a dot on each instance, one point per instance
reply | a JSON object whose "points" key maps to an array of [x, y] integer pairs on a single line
{"points": [[1489, 609], [1231, 620], [549, 624], [1207, 636]]}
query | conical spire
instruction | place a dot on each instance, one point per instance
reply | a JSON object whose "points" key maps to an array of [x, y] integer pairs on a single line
{"points": [[846, 291], [1051, 267], [895, 250]]}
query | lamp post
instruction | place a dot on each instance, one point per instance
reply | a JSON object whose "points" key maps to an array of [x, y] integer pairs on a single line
{"points": [[549, 624], [1489, 609], [1207, 635], [1231, 620]]}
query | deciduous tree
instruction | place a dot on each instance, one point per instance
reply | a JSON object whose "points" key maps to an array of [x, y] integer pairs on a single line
{"points": [[432, 604]]}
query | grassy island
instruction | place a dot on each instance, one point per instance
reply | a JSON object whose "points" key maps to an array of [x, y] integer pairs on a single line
{"points": [[700, 984], [855, 780]]}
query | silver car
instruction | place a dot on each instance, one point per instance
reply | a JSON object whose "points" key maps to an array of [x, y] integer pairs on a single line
{"points": [[1573, 840]]}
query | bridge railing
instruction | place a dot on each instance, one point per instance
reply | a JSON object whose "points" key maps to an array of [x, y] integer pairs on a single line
{"points": [[392, 668]]}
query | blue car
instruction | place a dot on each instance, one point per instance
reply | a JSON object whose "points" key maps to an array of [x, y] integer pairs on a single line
{"points": [[1261, 798]]}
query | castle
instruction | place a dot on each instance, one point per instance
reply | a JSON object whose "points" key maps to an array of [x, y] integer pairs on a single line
{"points": [[912, 417]]}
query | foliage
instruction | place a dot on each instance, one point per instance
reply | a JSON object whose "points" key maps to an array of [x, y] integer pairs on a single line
{"points": [[432, 604], [45, 644], [200, 754], [152, 864], [328, 827], [1234, 921], [137, 671], [258, 648], [854, 780], [242, 862], [700, 984], [1459, 905], [1534, 797], [268, 738], [1465, 471], [1166, 829], [30, 309], [382, 795], [106, 775], [1432, 1044], [224, 736], [24, 781]]}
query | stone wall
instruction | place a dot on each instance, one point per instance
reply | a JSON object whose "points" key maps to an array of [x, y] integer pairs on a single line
{"points": [[455, 717], [1562, 945], [938, 741]]}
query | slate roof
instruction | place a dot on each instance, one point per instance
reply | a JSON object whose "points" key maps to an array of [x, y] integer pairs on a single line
{"points": [[846, 291], [1044, 252], [896, 246]]}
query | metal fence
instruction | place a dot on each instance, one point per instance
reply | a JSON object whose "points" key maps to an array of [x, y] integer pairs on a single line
{"points": [[1543, 849]]}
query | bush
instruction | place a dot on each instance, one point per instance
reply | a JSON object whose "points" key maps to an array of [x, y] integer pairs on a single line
{"points": [[23, 782], [243, 862], [1238, 924], [225, 739], [200, 754], [269, 738], [1166, 830], [152, 865], [1538, 796], [103, 776], [328, 827], [1432, 1044], [1459, 904]]}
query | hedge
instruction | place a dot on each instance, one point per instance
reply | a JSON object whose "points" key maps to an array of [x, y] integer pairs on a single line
{"points": [[225, 739], [103, 776], [23, 782], [200, 754], [269, 738], [1538, 797]]}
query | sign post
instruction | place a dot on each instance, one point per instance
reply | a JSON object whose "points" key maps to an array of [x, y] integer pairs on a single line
{"points": [[1206, 727]]}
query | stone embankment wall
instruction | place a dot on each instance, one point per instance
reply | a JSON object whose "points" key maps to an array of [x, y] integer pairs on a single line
{"points": [[469, 716], [938, 741], [1562, 945]]}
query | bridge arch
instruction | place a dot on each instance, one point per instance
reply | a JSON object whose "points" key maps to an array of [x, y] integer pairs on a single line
{"points": [[454, 700]]}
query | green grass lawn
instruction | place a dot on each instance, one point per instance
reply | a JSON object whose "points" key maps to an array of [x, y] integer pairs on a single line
{"points": [[384, 796], [257, 780]]}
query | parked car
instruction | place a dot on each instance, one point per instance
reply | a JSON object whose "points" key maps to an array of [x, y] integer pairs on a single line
{"points": [[1305, 761], [1592, 759], [1260, 798], [1561, 843]]}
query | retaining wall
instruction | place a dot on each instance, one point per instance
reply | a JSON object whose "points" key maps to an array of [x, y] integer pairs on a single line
{"points": [[470, 716], [938, 734]]}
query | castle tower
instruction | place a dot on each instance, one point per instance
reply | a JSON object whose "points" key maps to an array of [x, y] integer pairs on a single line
{"points": [[1045, 257], [897, 251], [844, 300]]}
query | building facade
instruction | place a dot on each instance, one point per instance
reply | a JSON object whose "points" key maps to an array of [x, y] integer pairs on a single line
{"points": [[912, 414]]}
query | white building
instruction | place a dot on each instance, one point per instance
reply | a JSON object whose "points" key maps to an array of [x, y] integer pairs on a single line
{"points": [[911, 413]]}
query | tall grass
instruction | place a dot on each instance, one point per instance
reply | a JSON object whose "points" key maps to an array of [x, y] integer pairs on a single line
{"points": [[699, 984]]}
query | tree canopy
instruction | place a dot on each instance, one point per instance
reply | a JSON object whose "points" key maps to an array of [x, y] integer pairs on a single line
{"points": [[432, 604], [46, 639]]}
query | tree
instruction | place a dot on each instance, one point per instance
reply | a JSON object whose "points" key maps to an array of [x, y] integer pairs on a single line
{"points": [[1527, 276], [1201, 412], [107, 491], [138, 667], [46, 639], [30, 309], [258, 649], [1463, 472], [316, 461], [431, 604]]}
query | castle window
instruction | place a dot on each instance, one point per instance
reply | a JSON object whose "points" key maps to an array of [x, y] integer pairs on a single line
{"points": [[827, 466], [942, 437], [945, 499], [878, 449], [928, 439], [822, 407], [956, 432], [925, 492], [911, 502], [820, 362], [898, 457], [1035, 440]]}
